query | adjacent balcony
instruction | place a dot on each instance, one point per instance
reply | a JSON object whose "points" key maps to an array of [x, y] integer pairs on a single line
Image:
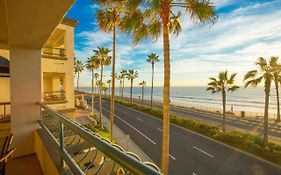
{"points": [[54, 53], [54, 97], [5, 118]]}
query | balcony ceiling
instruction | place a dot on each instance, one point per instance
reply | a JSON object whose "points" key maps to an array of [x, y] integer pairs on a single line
{"points": [[3, 27], [56, 39], [30, 23]]}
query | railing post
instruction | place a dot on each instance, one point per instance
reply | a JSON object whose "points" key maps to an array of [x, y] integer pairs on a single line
{"points": [[61, 130], [4, 110]]}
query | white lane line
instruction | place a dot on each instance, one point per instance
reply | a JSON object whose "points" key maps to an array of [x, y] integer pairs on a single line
{"points": [[172, 157], [134, 128], [159, 129], [203, 151], [139, 119]]}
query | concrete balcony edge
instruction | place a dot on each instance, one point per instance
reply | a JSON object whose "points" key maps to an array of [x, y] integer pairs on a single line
{"points": [[47, 154]]}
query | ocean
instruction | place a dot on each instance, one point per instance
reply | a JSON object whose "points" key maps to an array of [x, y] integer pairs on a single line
{"points": [[250, 100]]}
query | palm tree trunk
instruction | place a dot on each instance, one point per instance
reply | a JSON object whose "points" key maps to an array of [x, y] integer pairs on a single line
{"points": [[77, 88], [151, 100], [266, 105], [123, 89], [166, 91], [96, 86], [223, 109], [142, 94], [131, 95], [100, 89], [277, 96], [120, 89], [113, 85], [109, 89], [93, 97]]}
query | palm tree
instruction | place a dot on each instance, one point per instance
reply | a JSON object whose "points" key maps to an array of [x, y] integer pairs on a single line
{"points": [[222, 85], [78, 68], [105, 60], [143, 84], [255, 77], [109, 19], [109, 83], [92, 64], [131, 75], [123, 75], [276, 68], [149, 19], [152, 58]]}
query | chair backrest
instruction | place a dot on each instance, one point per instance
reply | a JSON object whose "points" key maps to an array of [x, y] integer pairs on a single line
{"points": [[5, 148], [6, 145]]}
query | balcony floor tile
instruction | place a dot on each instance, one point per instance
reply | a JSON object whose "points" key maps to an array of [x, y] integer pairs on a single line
{"points": [[24, 165]]}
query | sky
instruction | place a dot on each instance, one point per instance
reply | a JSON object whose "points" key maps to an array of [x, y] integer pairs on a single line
{"points": [[245, 30]]}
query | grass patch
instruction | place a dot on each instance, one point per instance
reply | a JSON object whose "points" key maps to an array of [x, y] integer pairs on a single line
{"points": [[95, 127], [104, 133], [247, 142]]}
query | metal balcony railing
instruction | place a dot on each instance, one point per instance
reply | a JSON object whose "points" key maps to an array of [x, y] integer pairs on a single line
{"points": [[4, 109], [85, 152], [54, 96], [53, 52]]}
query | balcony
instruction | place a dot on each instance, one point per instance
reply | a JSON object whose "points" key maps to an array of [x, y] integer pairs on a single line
{"points": [[54, 53], [77, 150], [54, 97]]}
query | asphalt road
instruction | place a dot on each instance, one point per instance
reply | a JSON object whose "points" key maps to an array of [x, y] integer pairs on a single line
{"points": [[190, 153], [232, 124]]}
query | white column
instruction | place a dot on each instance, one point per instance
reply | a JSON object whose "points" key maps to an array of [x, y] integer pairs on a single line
{"points": [[25, 70]]}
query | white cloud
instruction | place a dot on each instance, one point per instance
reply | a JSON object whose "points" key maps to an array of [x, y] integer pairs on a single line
{"points": [[222, 3], [234, 43]]}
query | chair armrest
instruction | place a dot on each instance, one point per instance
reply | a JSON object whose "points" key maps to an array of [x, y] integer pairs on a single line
{"points": [[10, 152]]}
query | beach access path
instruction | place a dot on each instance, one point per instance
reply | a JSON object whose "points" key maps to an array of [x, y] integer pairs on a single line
{"points": [[190, 152]]}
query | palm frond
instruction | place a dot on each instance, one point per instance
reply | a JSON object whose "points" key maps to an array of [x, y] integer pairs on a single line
{"points": [[233, 88], [254, 82], [132, 21], [152, 58], [262, 64], [202, 11], [133, 4], [154, 29], [213, 84], [231, 78], [222, 78], [140, 33], [273, 62], [105, 19], [212, 78], [175, 24], [250, 74], [212, 89]]}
